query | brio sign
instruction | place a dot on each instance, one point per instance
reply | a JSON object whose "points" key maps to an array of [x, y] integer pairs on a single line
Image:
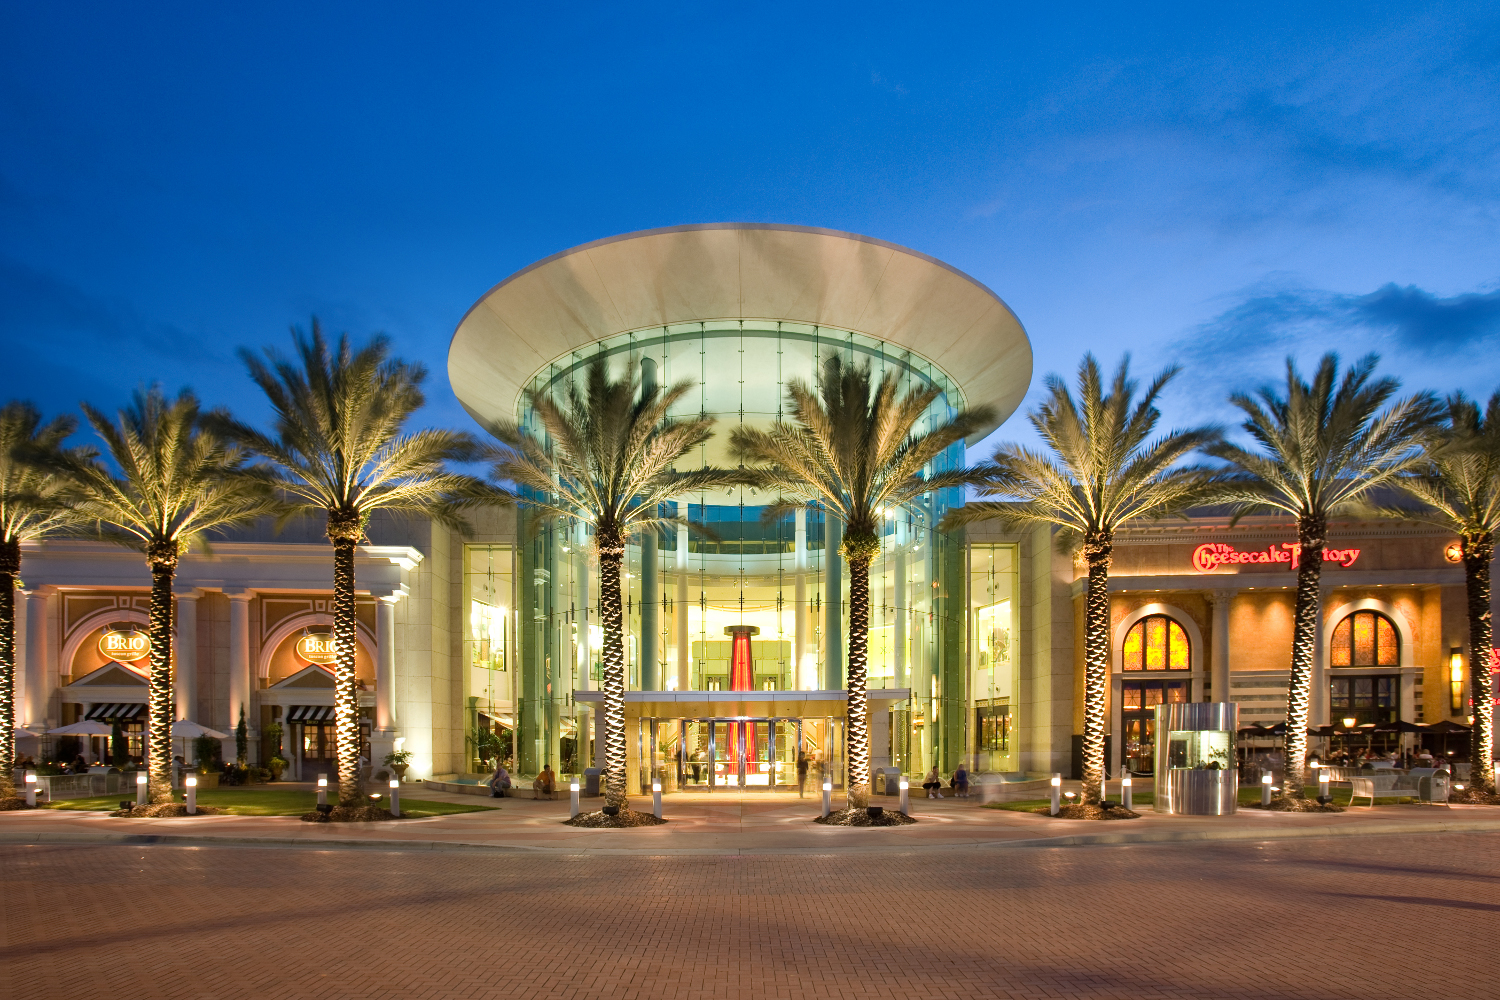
{"points": [[125, 645], [1211, 555], [318, 647]]}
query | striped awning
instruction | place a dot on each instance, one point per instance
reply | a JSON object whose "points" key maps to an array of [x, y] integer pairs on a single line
{"points": [[310, 713], [116, 710]]}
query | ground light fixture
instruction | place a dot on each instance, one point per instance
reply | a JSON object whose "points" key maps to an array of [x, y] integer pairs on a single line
{"points": [[322, 789], [1265, 789], [905, 787], [191, 784], [573, 798], [1056, 792], [1127, 793], [656, 799], [395, 797], [31, 788], [827, 798], [1323, 777], [140, 789]]}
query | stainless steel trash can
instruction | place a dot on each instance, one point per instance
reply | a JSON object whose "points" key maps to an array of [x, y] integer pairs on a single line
{"points": [[1195, 768]]}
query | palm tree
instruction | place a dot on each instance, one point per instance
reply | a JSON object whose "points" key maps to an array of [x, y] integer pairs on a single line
{"points": [[852, 446], [1324, 446], [34, 503], [343, 454], [1103, 471], [1458, 485], [179, 479], [608, 462]]}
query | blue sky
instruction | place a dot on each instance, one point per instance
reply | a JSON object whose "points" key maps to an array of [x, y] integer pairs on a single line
{"points": [[1214, 187]]}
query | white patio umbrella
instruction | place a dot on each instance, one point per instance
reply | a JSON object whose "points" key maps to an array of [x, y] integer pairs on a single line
{"points": [[186, 730], [88, 727]]}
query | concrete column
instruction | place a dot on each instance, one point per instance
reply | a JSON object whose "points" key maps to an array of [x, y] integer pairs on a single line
{"points": [[1317, 702], [241, 683], [650, 579], [902, 602], [684, 646], [1219, 643], [833, 603], [804, 671], [385, 663], [34, 710], [186, 687]]}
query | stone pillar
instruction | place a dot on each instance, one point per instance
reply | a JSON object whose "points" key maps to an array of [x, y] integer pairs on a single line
{"points": [[385, 664], [186, 666], [1219, 644], [585, 616], [833, 603], [34, 709], [241, 682], [804, 671], [684, 645]]}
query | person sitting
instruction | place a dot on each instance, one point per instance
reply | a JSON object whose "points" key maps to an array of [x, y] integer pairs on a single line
{"points": [[499, 782], [545, 783], [933, 783], [961, 782]]}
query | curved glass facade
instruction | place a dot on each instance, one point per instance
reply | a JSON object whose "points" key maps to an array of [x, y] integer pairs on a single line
{"points": [[784, 577]]}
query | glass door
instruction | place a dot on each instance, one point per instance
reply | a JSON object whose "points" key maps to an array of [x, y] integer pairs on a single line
{"points": [[726, 753], [788, 742], [758, 755], [695, 754]]}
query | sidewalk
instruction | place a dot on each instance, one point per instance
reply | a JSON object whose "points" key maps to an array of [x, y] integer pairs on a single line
{"points": [[733, 823]]}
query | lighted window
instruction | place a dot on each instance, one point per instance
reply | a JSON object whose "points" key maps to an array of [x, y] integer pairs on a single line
{"points": [[1365, 639], [1156, 642]]}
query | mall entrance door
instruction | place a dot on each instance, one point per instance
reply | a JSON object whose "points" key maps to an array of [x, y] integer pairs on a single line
{"points": [[738, 753]]}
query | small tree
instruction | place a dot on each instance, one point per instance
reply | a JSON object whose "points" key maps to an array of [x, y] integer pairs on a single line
{"points": [[241, 740]]}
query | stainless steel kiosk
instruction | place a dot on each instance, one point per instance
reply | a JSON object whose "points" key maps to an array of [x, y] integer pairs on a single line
{"points": [[1195, 768]]}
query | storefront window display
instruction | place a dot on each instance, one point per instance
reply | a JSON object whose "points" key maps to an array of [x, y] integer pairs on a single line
{"points": [[993, 679], [489, 650]]}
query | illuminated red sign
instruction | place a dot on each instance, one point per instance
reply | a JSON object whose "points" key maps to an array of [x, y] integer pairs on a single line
{"points": [[1211, 555]]}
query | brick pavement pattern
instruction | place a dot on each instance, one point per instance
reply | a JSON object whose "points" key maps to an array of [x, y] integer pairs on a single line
{"points": [[1140, 922]]}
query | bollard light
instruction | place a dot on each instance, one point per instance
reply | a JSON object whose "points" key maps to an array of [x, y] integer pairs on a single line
{"points": [[827, 798], [322, 789], [31, 788], [395, 797], [905, 797], [1126, 792], [1323, 777], [192, 794], [1056, 792], [656, 799], [573, 798], [140, 789], [1265, 789]]}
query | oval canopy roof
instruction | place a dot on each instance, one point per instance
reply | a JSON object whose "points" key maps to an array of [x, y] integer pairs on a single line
{"points": [[732, 271]]}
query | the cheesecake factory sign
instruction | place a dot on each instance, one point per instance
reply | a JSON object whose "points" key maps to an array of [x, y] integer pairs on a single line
{"points": [[1211, 555], [125, 645], [318, 647]]}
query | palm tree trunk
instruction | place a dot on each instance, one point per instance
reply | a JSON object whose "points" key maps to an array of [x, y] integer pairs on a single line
{"points": [[10, 565], [1478, 552], [1097, 549], [1312, 535], [345, 681], [162, 557], [857, 779], [611, 556]]}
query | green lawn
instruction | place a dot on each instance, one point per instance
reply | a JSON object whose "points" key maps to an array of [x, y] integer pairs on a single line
{"points": [[269, 802]]}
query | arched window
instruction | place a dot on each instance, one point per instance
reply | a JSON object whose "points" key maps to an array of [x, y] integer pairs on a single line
{"points": [[1365, 639], [1156, 642]]}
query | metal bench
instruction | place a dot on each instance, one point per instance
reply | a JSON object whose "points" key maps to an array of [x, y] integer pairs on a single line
{"points": [[1423, 784]]}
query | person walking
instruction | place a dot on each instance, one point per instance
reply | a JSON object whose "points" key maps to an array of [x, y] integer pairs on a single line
{"points": [[961, 781], [933, 783], [801, 774]]}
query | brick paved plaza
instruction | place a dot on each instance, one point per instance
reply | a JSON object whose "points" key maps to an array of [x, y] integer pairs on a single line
{"points": [[1333, 917]]}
